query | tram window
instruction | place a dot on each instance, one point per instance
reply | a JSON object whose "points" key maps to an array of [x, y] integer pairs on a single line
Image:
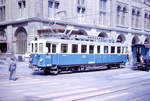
{"points": [[126, 49], [83, 48], [41, 47], [98, 49], [48, 45], [32, 47], [74, 48], [123, 49], [112, 49], [105, 49], [53, 48], [36, 47], [91, 49], [64, 48], [118, 49]]}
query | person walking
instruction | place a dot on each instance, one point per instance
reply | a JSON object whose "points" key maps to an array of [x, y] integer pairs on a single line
{"points": [[12, 69], [141, 59]]}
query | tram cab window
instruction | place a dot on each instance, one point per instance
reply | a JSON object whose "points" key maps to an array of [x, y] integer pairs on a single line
{"points": [[48, 45], [123, 49], [112, 49], [41, 47], [105, 49], [91, 49], [53, 48], [74, 48], [64, 48], [118, 49], [98, 49], [126, 50], [36, 48], [83, 48]]}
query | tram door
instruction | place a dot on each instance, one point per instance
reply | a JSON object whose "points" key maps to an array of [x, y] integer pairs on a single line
{"points": [[91, 59]]}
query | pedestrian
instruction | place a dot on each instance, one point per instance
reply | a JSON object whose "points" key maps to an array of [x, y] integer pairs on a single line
{"points": [[12, 69], [141, 59]]}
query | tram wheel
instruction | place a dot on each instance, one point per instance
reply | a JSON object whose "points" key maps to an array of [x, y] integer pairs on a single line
{"points": [[108, 67], [82, 68], [56, 70], [46, 71], [118, 66]]}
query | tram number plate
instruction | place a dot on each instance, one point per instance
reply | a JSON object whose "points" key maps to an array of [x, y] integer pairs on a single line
{"points": [[48, 57], [83, 56]]}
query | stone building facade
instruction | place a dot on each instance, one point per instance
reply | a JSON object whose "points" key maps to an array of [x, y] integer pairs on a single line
{"points": [[126, 21]]}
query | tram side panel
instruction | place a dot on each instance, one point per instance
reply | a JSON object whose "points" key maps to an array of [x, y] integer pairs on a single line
{"points": [[71, 59], [113, 58], [49, 60], [80, 59]]}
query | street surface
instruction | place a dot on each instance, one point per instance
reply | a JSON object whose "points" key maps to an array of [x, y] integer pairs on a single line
{"points": [[121, 84]]}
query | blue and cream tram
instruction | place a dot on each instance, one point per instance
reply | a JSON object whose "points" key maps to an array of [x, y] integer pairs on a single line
{"points": [[55, 55], [138, 51]]}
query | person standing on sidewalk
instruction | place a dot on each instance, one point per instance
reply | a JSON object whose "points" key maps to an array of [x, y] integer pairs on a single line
{"points": [[12, 69]]}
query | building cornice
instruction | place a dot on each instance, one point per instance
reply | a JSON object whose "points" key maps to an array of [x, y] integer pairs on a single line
{"points": [[37, 19]]}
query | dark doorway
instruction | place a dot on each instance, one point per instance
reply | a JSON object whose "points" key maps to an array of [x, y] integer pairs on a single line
{"points": [[3, 47], [138, 54]]}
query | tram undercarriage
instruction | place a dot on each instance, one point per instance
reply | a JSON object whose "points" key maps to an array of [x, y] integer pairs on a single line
{"points": [[74, 68]]}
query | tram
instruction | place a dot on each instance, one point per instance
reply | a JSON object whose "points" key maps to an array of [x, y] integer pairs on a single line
{"points": [[75, 53], [138, 51]]}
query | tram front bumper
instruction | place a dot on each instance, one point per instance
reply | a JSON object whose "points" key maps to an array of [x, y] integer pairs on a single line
{"points": [[33, 67]]}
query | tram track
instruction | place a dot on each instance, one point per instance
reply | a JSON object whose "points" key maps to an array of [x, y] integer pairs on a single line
{"points": [[107, 91], [139, 97]]}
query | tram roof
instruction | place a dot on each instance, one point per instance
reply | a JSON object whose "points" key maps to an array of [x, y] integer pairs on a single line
{"points": [[66, 41]]}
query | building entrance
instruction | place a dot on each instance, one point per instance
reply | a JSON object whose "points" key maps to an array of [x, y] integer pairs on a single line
{"points": [[3, 47]]}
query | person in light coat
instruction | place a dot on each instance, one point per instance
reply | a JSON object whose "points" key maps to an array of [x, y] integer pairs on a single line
{"points": [[12, 69]]}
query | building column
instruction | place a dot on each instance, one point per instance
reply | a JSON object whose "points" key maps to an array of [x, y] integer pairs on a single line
{"points": [[130, 37], [113, 35], [142, 39], [0, 14], [9, 33]]}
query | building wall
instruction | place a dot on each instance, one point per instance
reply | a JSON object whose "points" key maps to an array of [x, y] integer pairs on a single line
{"points": [[35, 14]]}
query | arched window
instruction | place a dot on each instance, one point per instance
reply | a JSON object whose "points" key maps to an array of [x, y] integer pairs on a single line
{"points": [[145, 20], [133, 18], [135, 40], [103, 34], [121, 38], [118, 14], [138, 19], [79, 32], [124, 16], [147, 41]]}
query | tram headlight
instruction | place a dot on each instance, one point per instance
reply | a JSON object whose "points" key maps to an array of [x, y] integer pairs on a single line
{"points": [[41, 60]]}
